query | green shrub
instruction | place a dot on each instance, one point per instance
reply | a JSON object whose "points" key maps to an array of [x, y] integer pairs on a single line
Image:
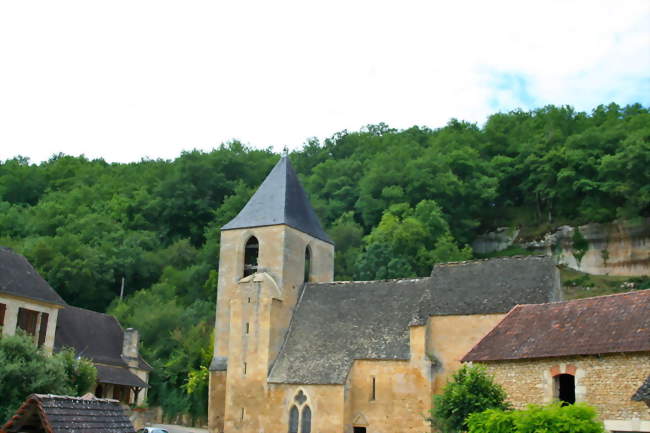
{"points": [[471, 390], [26, 369], [580, 245], [577, 418]]}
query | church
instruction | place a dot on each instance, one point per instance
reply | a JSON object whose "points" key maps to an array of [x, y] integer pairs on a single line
{"points": [[297, 352]]}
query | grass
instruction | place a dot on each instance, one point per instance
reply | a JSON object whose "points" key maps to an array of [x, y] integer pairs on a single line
{"points": [[578, 285]]}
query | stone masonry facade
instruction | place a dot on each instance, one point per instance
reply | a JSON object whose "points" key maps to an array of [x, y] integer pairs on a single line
{"points": [[607, 382]]}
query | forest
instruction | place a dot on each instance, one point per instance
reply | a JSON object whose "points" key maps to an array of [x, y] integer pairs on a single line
{"points": [[394, 201]]}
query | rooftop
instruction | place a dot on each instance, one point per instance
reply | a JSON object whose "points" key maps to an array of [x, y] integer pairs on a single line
{"points": [[19, 278], [606, 324], [61, 414], [336, 323], [280, 200]]}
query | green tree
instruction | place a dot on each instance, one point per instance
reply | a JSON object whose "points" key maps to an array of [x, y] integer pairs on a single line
{"points": [[576, 418], [471, 390], [25, 370]]}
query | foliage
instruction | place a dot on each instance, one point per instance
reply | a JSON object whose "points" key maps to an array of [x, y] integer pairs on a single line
{"points": [[576, 418], [25, 370], [394, 201], [471, 390]]}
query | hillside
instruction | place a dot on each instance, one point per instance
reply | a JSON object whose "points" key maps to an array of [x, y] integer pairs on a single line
{"points": [[394, 201]]}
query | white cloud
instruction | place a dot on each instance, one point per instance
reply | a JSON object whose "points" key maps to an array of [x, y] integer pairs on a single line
{"points": [[127, 79]]}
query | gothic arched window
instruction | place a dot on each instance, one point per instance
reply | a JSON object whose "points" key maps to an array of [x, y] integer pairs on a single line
{"points": [[251, 253], [307, 264], [305, 420], [293, 420]]}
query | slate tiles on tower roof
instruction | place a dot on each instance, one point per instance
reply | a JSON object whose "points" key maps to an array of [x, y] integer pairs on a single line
{"points": [[280, 199], [19, 278], [61, 414], [605, 324], [336, 323]]}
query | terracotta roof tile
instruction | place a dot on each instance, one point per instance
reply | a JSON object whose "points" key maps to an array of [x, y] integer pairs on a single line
{"points": [[605, 324]]}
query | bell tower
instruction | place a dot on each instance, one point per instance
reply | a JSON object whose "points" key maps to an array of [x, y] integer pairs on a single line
{"points": [[268, 251]]}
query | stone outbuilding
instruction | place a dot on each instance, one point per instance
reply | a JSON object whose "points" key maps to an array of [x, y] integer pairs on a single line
{"points": [[46, 413], [297, 352], [594, 350]]}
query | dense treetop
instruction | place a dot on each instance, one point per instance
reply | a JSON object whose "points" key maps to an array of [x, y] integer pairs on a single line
{"points": [[394, 201]]}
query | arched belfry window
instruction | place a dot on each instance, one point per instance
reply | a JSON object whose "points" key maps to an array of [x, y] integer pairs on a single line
{"points": [[300, 417], [307, 264], [293, 420], [251, 252]]}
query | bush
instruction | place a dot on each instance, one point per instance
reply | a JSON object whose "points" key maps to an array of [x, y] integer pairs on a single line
{"points": [[471, 390], [25, 370], [577, 418]]}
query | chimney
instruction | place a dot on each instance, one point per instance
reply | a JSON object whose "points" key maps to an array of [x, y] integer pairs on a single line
{"points": [[130, 347]]}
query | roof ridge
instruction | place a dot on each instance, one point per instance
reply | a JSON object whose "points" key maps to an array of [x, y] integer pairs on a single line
{"points": [[489, 259], [568, 301], [387, 280]]}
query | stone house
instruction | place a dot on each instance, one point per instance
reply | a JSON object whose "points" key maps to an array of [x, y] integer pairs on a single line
{"points": [[29, 303], [60, 414], [296, 352], [122, 374], [594, 350]]}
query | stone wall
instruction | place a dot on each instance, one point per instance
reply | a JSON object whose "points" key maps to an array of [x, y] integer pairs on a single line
{"points": [[606, 382], [14, 303]]}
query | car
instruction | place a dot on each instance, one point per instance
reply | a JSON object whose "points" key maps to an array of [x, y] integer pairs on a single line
{"points": [[152, 430]]}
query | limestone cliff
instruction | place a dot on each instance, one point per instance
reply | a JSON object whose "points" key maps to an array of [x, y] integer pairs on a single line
{"points": [[617, 248]]}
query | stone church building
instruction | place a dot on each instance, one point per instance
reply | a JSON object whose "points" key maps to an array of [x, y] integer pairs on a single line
{"points": [[297, 352]]}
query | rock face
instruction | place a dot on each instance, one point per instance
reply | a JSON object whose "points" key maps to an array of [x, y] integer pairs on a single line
{"points": [[617, 248]]}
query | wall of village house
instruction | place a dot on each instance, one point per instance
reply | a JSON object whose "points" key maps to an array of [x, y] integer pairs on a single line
{"points": [[606, 382], [449, 338], [13, 304]]}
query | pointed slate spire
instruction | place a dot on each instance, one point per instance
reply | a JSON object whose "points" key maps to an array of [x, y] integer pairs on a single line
{"points": [[280, 200]]}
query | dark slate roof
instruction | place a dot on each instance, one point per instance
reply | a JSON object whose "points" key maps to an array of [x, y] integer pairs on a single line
{"points": [[605, 324], [280, 200], [60, 414], [643, 393], [19, 278], [118, 376], [98, 337], [336, 323]]}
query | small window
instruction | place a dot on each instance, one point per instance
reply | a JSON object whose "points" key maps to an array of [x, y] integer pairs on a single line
{"points": [[251, 253], [245, 367], [3, 307], [373, 392], [565, 386], [307, 264], [293, 420], [305, 420], [248, 328], [242, 414], [359, 430], [42, 332], [27, 320]]}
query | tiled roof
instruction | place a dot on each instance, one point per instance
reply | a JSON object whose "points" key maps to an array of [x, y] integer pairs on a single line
{"points": [[19, 278], [94, 335], [280, 199], [605, 324], [336, 323], [643, 393], [118, 376], [60, 414]]}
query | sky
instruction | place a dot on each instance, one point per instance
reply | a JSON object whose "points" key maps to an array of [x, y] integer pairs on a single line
{"points": [[125, 80]]}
